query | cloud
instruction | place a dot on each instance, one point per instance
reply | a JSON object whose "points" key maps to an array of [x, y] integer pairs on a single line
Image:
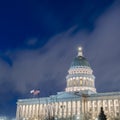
{"points": [[32, 42], [105, 50], [45, 68]]}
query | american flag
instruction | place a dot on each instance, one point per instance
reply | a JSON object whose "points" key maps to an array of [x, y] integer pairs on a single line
{"points": [[35, 92]]}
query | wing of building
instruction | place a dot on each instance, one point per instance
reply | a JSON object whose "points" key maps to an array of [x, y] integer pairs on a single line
{"points": [[79, 100]]}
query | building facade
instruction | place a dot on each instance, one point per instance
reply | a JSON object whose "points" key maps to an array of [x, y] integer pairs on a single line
{"points": [[79, 101]]}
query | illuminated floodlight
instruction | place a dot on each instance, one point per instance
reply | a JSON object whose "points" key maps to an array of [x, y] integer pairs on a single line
{"points": [[80, 48], [80, 51]]}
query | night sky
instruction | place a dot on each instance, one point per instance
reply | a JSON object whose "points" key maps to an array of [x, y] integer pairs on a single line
{"points": [[39, 40]]}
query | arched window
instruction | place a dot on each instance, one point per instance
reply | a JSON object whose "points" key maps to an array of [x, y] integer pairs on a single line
{"points": [[74, 83], [70, 83], [81, 82], [85, 83]]}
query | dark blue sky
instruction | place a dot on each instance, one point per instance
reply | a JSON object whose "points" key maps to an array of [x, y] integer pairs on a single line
{"points": [[22, 20], [37, 34]]}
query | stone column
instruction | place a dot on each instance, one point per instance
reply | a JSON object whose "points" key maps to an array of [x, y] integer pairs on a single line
{"points": [[23, 110], [80, 108], [92, 102], [18, 112], [71, 109], [58, 111], [119, 105], [97, 105], [31, 110], [109, 106], [113, 107], [66, 109], [75, 107]]}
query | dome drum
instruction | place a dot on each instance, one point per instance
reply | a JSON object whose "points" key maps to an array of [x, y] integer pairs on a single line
{"points": [[80, 83]]}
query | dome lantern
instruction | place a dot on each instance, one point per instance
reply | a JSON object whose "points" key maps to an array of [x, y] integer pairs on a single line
{"points": [[80, 53]]}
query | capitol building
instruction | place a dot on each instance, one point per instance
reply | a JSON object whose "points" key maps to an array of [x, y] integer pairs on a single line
{"points": [[79, 101]]}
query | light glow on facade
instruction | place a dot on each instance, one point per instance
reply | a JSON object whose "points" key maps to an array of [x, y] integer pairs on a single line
{"points": [[79, 100]]}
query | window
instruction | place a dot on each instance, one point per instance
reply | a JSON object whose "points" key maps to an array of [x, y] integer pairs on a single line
{"points": [[111, 107], [74, 82], [80, 82], [117, 114], [106, 108], [95, 108], [117, 108], [116, 101]]}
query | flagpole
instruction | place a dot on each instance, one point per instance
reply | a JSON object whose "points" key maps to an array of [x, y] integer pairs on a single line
{"points": [[36, 93], [38, 107]]}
